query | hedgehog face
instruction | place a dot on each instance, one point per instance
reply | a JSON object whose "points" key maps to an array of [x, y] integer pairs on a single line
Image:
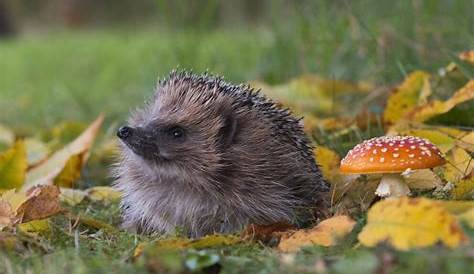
{"points": [[155, 142], [183, 133]]}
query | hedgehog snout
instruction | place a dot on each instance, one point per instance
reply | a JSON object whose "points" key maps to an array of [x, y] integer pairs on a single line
{"points": [[124, 132]]}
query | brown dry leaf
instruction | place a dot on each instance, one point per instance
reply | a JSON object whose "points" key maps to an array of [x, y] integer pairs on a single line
{"points": [[405, 97], [353, 194], [326, 233], [467, 56], [265, 233], [408, 223], [6, 214], [13, 165], [434, 108], [49, 170], [422, 179], [42, 202], [37, 203]]}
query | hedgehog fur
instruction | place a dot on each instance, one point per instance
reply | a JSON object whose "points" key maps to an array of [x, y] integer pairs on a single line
{"points": [[206, 156]]}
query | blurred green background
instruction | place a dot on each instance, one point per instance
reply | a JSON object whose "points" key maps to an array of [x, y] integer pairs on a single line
{"points": [[72, 59]]}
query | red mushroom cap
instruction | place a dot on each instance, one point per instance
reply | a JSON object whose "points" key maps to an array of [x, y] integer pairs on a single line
{"points": [[391, 154]]}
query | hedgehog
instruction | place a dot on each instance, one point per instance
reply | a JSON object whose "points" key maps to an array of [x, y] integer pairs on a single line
{"points": [[204, 156]]}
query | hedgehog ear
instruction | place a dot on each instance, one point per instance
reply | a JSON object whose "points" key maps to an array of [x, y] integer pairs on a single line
{"points": [[228, 131]]}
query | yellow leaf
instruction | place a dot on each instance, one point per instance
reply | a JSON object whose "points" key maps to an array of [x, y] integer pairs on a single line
{"points": [[103, 193], [467, 142], [408, 223], [71, 196], [13, 165], [458, 165], [71, 171], [215, 240], [406, 97], [46, 172], [464, 188], [310, 94], [174, 243], [456, 207], [436, 107], [328, 161], [35, 227], [326, 233], [91, 222]]}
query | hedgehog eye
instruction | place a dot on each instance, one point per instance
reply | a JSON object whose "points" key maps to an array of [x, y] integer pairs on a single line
{"points": [[176, 132]]}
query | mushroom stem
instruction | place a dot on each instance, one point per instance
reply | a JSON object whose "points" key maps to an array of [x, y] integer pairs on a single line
{"points": [[392, 185]]}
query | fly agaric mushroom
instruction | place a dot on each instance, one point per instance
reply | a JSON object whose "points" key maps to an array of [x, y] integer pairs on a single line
{"points": [[391, 156]]}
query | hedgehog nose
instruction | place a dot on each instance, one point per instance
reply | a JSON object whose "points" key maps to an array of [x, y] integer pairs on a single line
{"points": [[124, 132]]}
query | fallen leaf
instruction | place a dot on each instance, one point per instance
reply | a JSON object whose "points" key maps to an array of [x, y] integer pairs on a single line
{"points": [[6, 214], [328, 161], [265, 233], [37, 203], [422, 179], [436, 107], [456, 207], [46, 172], [458, 165], [35, 227], [408, 223], [405, 97], [464, 188], [326, 233], [71, 196], [103, 193], [13, 165], [174, 243], [36, 151], [467, 142], [467, 56], [42, 202], [91, 222], [71, 171]]}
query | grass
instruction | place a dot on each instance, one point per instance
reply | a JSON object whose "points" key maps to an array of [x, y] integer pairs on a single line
{"points": [[56, 76], [112, 70]]}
